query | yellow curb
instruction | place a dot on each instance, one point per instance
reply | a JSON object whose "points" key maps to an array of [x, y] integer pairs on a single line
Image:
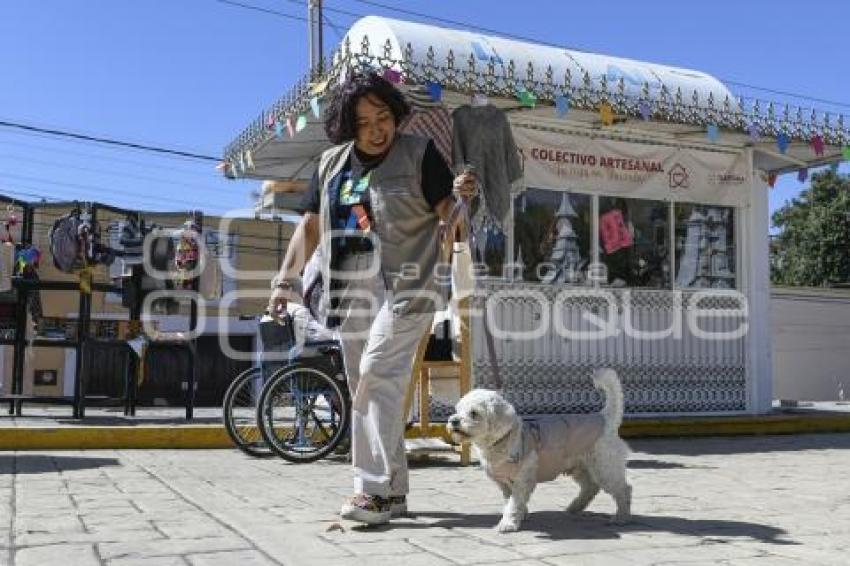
{"points": [[735, 426], [115, 437], [190, 436]]}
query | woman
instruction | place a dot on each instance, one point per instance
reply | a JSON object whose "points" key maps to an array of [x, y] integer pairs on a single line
{"points": [[374, 206]]}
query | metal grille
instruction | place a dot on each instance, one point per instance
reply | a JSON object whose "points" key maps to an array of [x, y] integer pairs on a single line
{"points": [[680, 373]]}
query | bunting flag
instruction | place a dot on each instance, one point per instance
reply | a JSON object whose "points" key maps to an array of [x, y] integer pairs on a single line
{"points": [[278, 129], [392, 76], [846, 152], [319, 88], [270, 120], [300, 123], [562, 105], [771, 180], [526, 98], [314, 106], [802, 175], [606, 114], [817, 144], [435, 91], [289, 127], [713, 132], [753, 130], [782, 142], [645, 110]]}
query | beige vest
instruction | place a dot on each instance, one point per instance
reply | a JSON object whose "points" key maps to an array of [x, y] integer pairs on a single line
{"points": [[404, 223]]}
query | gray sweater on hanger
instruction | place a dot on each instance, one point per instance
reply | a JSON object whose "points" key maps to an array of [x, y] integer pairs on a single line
{"points": [[482, 137]]}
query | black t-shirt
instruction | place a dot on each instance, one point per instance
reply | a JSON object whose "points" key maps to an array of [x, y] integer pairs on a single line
{"points": [[437, 180]]}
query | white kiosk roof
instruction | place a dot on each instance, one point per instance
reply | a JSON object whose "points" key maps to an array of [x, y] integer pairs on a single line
{"points": [[421, 38]]}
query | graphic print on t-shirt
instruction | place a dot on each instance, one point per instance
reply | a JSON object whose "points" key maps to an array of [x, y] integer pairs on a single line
{"points": [[352, 192]]}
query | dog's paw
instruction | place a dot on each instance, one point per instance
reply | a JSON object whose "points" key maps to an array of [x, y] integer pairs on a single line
{"points": [[507, 526], [574, 509]]}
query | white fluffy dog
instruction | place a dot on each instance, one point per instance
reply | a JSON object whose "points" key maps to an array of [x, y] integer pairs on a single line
{"points": [[517, 454]]}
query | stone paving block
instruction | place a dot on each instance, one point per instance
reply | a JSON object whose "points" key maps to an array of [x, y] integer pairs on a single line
{"points": [[381, 547], [464, 550], [196, 528], [237, 558], [53, 525], [416, 559], [168, 547], [57, 555], [156, 561]]}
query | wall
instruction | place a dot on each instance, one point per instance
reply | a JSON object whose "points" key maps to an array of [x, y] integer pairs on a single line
{"points": [[811, 343]]}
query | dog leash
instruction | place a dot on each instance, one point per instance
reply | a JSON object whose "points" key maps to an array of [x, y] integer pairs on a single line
{"points": [[461, 210]]}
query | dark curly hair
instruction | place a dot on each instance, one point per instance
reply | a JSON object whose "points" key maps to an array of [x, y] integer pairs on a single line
{"points": [[341, 108]]}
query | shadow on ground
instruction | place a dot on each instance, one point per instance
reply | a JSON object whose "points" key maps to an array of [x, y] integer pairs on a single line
{"points": [[637, 464], [557, 525], [41, 464], [741, 444]]}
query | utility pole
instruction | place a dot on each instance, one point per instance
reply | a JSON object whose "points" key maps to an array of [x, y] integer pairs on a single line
{"points": [[314, 23]]}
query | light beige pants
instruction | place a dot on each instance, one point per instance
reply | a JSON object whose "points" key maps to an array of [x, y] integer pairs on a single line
{"points": [[378, 349]]}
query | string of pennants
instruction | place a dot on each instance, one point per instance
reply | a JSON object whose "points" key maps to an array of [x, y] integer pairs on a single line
{"points": [[526, 99]]}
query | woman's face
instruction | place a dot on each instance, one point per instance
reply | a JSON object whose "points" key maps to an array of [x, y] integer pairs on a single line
{"points": [[375, 126]]}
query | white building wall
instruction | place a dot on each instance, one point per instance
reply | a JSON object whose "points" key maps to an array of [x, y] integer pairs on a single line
{"points": [[756, 270], [811, 344]]}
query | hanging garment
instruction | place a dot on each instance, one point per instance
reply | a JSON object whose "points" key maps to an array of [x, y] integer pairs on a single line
{"points": [[7, 266], [613, 231], [482, 138], [65, 245], [211, 278], [27, 260], [10, 229], [432, 122], [186, 257]]}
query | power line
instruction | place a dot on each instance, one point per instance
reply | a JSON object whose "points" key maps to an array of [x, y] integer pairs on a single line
{"points": [[107, 141], [785, 93], [54, 150], [103, 190], [121, 174], [261, 9]]}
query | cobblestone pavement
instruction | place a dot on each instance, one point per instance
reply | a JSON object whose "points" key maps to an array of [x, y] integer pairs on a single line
{"points": [[752, 500]]}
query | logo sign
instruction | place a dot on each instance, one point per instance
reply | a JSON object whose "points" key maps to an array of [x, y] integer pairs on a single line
{"points": [[678, 176]]}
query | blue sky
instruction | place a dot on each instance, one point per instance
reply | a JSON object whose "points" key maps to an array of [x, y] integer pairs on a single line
{"points": [[190, 74]]}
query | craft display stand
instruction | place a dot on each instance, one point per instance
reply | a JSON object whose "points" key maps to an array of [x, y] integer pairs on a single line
{"points": [[84, 342]]}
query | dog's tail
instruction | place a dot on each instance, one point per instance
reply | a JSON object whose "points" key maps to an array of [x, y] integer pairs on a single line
{"points": [[606, 380]]}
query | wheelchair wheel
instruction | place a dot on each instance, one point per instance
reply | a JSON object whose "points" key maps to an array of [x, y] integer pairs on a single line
{"points": [[239, 412], [303, 413]]}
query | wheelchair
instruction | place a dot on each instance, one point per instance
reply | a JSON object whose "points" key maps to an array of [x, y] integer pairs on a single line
{"points": [[296, 404]]}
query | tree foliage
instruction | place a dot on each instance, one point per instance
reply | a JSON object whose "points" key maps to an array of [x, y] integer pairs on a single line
{"points": [[813, 245]]}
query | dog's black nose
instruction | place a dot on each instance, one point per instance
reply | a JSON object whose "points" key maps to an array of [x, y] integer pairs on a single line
{"points": [[454, 420]]}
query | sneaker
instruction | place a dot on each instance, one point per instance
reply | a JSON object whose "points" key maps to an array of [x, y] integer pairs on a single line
{"points": [[398, 505], [369, 509]]}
